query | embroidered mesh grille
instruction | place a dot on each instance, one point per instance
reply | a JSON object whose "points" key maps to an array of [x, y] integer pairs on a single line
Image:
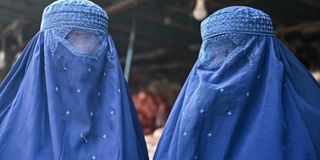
{"points": [[214, 51], [84, 42]]}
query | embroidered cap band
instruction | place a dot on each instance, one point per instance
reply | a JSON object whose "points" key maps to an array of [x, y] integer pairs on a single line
{"points": [[75, 13], [236, 19]]}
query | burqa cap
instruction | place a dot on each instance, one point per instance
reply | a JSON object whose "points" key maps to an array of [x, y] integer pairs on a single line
{"points": [[75, 13], [236, 19]]}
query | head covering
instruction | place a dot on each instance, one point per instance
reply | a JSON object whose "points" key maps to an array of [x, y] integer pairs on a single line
{"points": [[246, 98], [66, 97]]}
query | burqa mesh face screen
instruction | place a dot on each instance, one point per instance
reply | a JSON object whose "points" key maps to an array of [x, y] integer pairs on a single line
{"points": [[246, 98], [84, 42], [66, 98]]}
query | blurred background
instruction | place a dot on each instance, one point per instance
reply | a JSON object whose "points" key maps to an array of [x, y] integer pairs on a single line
{"points": [[158, 42]]}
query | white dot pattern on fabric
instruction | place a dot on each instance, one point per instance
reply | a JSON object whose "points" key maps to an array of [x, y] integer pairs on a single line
{"points": [[258, 76], [91, 114], [184, 133], [209, 134], [89, 69], [202, 111], [65, 68], [78, 90], [195, 157], [83, 137], [119, 90], [93, 157], [104, 136], [104, 73], [67, 112], [112, 112], [229, 113], [99, 94], [221, 90], [248, 94], [57, 89]]}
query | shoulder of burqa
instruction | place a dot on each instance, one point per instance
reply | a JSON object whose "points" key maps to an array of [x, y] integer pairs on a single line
{"points": [[66, 97], [246, 98]]}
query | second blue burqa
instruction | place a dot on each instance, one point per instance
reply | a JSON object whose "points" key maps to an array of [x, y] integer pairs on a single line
{"points": [[66, 98], [246, 98]]}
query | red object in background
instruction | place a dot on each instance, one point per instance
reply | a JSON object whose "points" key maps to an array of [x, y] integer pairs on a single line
{"points": [[152, 110]]}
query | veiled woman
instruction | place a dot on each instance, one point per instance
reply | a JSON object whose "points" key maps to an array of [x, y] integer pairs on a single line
{"points": [[246, 98], [66, 98]]}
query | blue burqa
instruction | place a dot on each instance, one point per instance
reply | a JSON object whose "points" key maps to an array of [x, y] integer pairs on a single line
{"points": [[66, 98], [246, 98]]}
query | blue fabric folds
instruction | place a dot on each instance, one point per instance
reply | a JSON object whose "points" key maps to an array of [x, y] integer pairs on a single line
{"points": [[66, 98], [246, 98]]}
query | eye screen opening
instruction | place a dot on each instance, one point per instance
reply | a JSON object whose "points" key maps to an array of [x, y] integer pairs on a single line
{"points": [[84, 42]]}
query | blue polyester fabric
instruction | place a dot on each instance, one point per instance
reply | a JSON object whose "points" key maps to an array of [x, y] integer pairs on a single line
{"points": [[66, 97], [246, 98]]}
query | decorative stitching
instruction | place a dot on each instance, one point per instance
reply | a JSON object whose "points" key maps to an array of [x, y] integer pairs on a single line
{"points": [[75, 13], [236, 19]]}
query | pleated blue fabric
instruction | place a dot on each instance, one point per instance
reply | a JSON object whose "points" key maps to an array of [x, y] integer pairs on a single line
{"points": [[246, 98], [66, 97]]}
